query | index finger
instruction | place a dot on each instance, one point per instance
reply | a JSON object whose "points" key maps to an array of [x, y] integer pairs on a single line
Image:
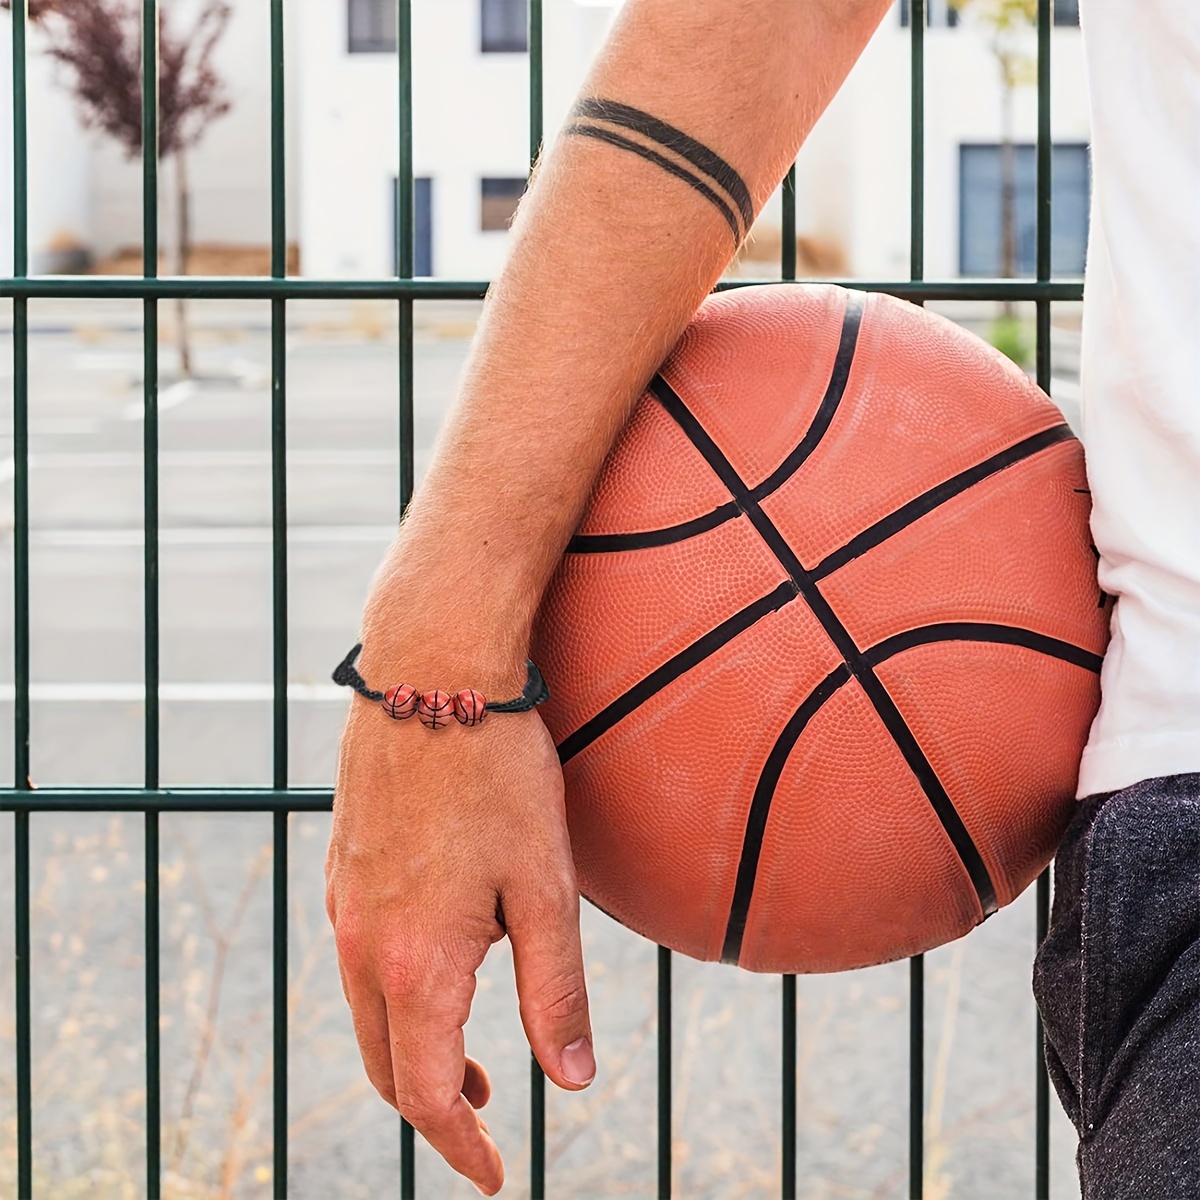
{"points": [[429, 1066]]}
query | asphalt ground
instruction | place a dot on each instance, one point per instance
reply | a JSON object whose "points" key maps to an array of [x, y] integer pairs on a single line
{"points": [[88, 1055]]}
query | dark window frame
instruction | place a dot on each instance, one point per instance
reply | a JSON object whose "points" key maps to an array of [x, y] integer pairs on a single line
{"points": [[503, 26], [504, 189], [1024, 269], [1066, 15], [422, 211], [381, 36], [944, 17]]}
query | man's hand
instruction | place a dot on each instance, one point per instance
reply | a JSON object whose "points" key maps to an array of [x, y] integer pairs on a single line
{"points": [[442, 843]]}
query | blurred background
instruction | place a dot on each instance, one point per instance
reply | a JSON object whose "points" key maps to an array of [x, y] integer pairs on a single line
{"points": [[471, 144], [471, 148]]}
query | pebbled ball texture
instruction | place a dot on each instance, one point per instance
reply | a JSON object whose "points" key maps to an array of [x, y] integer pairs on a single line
{"points": [[824, 652]]}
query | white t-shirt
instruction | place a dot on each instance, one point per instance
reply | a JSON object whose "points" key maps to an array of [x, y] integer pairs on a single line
{"points": [[1141, 382]]}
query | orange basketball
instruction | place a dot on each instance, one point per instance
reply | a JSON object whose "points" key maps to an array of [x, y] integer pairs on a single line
{"points": [[824, 651]]}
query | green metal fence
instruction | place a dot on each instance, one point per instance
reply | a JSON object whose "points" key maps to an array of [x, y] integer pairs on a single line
{"points": [[151, 800]]}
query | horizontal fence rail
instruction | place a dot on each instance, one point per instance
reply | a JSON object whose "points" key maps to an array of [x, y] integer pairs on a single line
{"points": [[223, 287], [151, 800]]}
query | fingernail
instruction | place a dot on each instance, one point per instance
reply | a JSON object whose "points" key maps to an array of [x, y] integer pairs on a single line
{"points": [[578, 1062]]}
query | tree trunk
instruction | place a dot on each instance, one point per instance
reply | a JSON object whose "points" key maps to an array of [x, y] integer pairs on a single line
{"points": [[183, 247], [1008, 191]]}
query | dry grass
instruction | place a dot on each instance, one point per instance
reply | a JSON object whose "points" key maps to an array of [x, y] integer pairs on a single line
{"points": [[206, 259], [88, 1086]]}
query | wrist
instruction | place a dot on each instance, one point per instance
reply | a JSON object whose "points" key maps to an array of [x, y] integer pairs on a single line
{"points": [[441, 647]]}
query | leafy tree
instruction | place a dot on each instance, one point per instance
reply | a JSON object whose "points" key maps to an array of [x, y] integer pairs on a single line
{"points": [[35, 9], [100, 43]]}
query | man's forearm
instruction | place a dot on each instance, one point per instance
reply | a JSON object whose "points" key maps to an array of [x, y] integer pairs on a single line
{"points": [[632, 217]]}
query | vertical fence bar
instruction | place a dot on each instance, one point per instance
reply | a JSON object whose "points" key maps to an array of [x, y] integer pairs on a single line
{"points": [[916, 1077], [536, 83], [24, 1057], [20, 146], [1041, 1187], [279, 615], [916, 236], [788, 1114], [404, 269], [916, 966], [24, 1064], [404, 247], [537, 1078], [1045, 163], [408, 1161], [150, 594], [537, 1131], [664, 1073], [787, 250]]}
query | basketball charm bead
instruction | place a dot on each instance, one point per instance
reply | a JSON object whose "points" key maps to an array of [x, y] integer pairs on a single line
{"points": [[400, 701], [434, 709], [469, 707]]}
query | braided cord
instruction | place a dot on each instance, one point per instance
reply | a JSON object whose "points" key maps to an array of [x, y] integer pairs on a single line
{"points": [[536, 692]]}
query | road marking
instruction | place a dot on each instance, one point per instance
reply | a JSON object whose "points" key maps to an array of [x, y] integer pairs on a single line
{"points": [[177, 693], [106, 360], [63, 426], [169, 397], [249, 535]]}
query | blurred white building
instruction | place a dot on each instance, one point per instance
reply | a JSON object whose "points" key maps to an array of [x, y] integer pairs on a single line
{"points": [[59, 167], [85, 194], [471, 145]]}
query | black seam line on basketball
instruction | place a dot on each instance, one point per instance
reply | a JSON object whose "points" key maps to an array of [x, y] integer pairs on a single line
{"points": [[672, 168], [698, 154], [673, 668], [834, 391], [878, 695], [906, 514], [760, 808], [977, 631], [607, 543]]}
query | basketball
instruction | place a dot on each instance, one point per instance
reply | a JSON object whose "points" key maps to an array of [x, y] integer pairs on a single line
{"points": [[825, 649]]}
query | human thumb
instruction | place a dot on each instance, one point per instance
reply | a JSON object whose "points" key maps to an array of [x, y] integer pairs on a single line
{"points": [[548, 957]]}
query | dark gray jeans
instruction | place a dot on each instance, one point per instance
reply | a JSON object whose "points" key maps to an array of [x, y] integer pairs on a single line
{"points": [[1118, 984]]}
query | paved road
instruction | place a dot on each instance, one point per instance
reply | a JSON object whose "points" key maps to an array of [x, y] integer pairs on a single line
{"points": [[216, 596]]}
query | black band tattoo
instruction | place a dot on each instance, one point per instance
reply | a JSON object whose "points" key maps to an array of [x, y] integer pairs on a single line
{"points": [[719, 174], [615, 139]]}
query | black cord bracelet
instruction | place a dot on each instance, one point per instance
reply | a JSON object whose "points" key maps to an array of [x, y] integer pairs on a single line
{"points": [[435, 708]]}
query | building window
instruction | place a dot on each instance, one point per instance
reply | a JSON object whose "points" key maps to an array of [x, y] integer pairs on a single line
{"points": [[371, 26], [1066, 12], [498, 199], [938, 14], [980, 241], [503, 26], [422, 197], [945, 14]]}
